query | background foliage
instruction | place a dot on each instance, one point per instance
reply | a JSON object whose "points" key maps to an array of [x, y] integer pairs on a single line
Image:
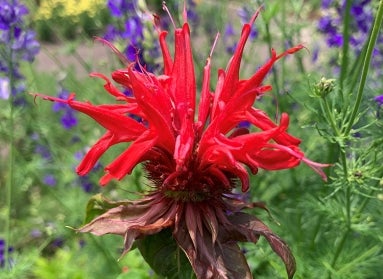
{"points": [[333, 228]]}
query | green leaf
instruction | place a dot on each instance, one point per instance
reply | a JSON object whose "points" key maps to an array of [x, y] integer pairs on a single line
{"points": [[98, 205], [164, 256], [270, 12]]}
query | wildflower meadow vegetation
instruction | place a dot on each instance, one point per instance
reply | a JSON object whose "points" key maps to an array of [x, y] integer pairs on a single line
{"points": [[191, 139]]}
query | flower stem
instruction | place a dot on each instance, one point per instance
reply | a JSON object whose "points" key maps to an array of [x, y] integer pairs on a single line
{"points": [[366, 64], [345, 46], [10, 181], [269, 44], [346, 132], [330, 117], [339, 250]]}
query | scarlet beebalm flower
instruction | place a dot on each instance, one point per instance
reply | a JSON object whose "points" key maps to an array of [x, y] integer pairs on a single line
{"points": [[193, 157]]}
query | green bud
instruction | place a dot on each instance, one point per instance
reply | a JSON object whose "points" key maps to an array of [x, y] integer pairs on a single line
{"points": [[324, 87]]}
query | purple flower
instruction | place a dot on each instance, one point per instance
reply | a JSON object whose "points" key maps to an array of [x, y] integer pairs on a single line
{"points": [[245, 14], [36, 233], [326, 25], [133, 53], [79, 155], [2, 252], [129, 26], [326, 3], [193, 17], [11, 13], [111, 33], [13, 32], [43, 151], [68, 119], [27, 45], [4, 88], [360, 22], [244, 124], [229, 38], [49, 180], [119, 8], [57, 242], [315, 53], [68, 116], [86, 183], [335, 40], [379, 100], [133, 30], [357, 11], [16, 43]]}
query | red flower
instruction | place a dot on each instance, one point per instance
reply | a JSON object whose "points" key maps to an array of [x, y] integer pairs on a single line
{"points": [[193, 154]]}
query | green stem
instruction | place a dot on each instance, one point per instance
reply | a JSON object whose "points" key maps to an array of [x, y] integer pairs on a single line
{"points": [[347, 194], [330, 117], [10, 181], [82, 62], [269, 44], [112, 263], [345, 47], [339, 250], [366, 65]]}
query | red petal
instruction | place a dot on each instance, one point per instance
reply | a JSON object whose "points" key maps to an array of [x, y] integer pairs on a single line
{"points": [[96, 151], [109, 87], [204, 105], [168, 63], [259, 76], [110, 120], [232, 74], [183, 85], [155, 104], [125, 163]]}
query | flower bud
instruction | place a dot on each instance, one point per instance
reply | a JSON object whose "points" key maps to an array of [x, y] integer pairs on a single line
{"points": [[324, 87]]}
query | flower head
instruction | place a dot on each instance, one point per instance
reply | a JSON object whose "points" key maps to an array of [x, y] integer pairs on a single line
{"points": [[194, 153]]}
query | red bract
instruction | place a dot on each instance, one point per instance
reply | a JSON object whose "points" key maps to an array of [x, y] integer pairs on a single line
{"points": [[194, 155]]}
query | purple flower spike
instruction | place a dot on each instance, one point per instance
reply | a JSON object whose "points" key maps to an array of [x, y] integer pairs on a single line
{"points": [[18, 43], [120, 7]]}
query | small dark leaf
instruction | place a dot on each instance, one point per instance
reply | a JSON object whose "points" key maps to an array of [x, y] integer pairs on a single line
{"points": [[218, 260], [249, 226], [235, 263], [281, 248], [164, 256]]}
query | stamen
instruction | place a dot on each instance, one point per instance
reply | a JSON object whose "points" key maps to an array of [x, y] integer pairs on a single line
{"points": [[165, 8], [255, 15], [157, 23], [214, 44], [114, 49], [185, 13]]}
